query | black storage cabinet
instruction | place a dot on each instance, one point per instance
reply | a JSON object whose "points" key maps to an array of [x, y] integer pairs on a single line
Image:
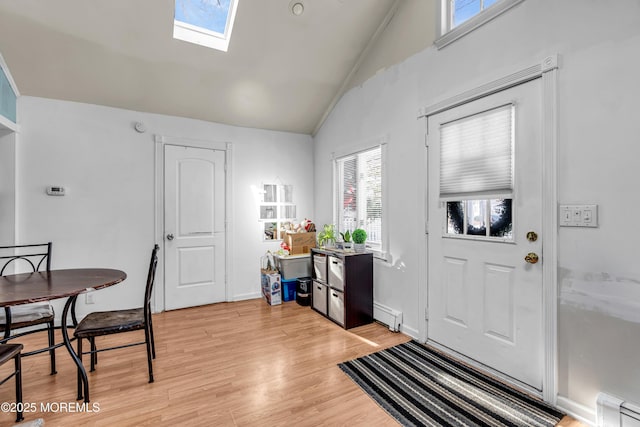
{"points": [[349, 301]]}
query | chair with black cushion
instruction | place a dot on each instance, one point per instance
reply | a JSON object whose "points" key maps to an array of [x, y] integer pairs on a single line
{"points": [[15, 320], [8, 352], [114, 322]]}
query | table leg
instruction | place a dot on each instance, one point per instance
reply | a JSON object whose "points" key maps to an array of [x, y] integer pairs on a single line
{"points": [[83, 380]]}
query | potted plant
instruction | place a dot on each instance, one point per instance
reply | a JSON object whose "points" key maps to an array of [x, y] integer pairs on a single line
{"points": [[347, 244], [359, 236], [327, 237]]}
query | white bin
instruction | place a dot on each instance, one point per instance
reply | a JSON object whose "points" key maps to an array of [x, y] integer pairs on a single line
{"points": [[294, 266], [320, 268]]}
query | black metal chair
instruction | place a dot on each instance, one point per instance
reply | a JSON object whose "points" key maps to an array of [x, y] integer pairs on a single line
{"points": [[118, 321], [29, 258], [8, 352]]}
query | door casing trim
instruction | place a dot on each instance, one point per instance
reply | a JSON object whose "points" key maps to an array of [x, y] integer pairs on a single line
{"points": [[546, 70], [158, 302]]}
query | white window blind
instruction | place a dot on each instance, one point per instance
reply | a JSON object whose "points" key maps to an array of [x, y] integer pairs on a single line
{"points": [[476, 155], [359, 204]]}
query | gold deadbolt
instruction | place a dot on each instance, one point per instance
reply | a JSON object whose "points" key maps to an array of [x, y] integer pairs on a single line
{"points": [[531, 258], [532, 236]]}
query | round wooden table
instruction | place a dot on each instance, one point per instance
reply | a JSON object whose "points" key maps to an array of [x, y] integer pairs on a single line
{"points": [[25, 288]]}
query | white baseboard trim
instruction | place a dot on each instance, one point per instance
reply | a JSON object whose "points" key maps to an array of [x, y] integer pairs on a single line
{"points": [[413, 333], [242, 297], [580, 412]]}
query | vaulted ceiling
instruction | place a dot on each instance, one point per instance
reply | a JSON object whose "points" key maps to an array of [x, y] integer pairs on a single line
{"points": [[281, 71]]}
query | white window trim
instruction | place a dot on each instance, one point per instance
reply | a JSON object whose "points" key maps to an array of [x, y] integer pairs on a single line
{"points": [[383, 253], [448, 36], [5, 122]]}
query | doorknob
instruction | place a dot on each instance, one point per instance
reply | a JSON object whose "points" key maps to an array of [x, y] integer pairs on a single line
{"points": [[531, 258], [169, 236]]}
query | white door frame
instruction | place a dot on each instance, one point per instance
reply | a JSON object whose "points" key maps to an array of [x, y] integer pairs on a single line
{"points": [[546, 70], [160, 142]]}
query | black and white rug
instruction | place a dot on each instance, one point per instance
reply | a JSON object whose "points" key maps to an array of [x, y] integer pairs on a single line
{"points": [[421, 387]]}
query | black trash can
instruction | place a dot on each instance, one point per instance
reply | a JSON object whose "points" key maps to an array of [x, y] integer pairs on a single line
{"points": [[303, 291]]}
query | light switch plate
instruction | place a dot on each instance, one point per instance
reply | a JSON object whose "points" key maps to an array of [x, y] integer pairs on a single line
{"points": [[578, 216]]}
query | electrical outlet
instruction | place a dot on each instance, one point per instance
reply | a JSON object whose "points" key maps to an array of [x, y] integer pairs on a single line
{"points": [[88, 298]]}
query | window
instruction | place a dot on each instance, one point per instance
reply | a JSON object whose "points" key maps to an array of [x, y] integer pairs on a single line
{"points": [[276, 209], [471, 217], [460, 17], [205, 22], [359, 195], [477, 174], [462, 10], [7, 95]]}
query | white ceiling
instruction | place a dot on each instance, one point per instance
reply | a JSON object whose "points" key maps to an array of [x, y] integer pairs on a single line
{"points": [[281, 72]]}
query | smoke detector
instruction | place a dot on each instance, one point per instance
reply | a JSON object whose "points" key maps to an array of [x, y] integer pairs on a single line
{"points": [[296, 7]]}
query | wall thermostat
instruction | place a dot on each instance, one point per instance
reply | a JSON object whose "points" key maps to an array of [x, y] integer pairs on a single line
{"points": [[55, 191]]}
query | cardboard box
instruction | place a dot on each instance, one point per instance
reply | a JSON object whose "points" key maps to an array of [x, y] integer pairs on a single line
{"points": [[271, 287], [300, 243]]}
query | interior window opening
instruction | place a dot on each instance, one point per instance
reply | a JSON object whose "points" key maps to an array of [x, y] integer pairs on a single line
{"points": [[471, 217]]}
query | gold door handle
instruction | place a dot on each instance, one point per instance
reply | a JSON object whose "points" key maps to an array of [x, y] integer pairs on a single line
{"points": [[531, 258]]}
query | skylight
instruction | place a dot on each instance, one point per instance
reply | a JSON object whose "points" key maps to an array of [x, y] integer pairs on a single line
{"points": [[205, 22]]}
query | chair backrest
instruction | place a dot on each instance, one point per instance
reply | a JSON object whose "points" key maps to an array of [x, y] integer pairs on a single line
{"points": [[30, 257], [151, 277]]}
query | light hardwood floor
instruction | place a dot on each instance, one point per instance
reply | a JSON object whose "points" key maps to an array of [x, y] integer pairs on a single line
{"points": [[230, 364]]}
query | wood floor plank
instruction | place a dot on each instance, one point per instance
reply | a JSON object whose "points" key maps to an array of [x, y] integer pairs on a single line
{"points": [[230, 364]]}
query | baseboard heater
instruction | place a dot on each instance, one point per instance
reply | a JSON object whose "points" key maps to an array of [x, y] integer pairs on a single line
{"points": [[388, 316], [615, 412]]}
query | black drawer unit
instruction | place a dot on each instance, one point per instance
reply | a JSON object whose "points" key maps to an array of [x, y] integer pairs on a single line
{"points": [[343, 286]]}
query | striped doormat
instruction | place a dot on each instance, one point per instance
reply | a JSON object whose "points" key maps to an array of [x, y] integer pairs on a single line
{"points": [[420, 387]]}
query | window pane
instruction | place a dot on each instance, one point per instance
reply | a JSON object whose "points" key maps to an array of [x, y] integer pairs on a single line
{"points": [[288, 212], [464, 9], [501, 218], [455, 218], [476, 217], [270, 194], [372, 183], [268, 212], [286, 193], [270, 231], [360, 194], [209, 14], [349, 194]]}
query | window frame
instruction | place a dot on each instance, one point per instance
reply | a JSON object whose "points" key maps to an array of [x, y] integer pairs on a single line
{"points": [[380, 252], [448, 35]]}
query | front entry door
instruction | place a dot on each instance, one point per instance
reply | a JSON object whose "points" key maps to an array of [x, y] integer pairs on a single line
{"points": [[485, 301], [194, 226]]}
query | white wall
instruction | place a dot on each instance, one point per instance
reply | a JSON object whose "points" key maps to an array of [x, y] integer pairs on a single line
{"points": [[598, 148], [107, 217]]}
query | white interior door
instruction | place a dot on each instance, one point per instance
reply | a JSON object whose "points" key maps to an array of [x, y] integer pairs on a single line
{"points": [[485, 301], [194, 226]]}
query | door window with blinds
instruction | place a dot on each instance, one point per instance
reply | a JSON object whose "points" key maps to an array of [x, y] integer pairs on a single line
{"points": [[477, 174], [359, 195]]}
